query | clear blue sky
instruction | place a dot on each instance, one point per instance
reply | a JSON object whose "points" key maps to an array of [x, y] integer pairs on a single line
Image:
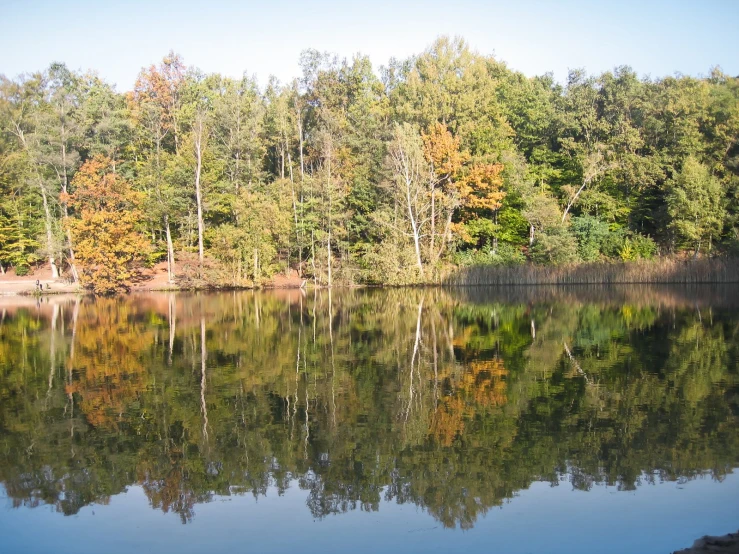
{"points": [[118, 38]]}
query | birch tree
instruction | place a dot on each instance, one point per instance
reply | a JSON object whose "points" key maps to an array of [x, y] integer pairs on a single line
{"points": [[410, 187]]}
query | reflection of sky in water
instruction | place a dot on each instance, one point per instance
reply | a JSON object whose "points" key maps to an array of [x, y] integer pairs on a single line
{"points": [[652, 519]]}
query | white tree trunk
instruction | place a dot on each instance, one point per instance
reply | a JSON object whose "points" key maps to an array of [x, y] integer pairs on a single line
{"points": [[198, 191], [49, 234], [170, 253]]}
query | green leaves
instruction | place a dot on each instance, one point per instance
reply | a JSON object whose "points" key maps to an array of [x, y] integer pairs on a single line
{"points": [[695, 204], [504, 158]]}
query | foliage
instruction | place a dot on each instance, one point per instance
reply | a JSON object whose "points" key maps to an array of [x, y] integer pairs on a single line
{"points": [[344, 175], [110, 250], [505, 254], [556, 246], [590, 233], [694, 203]]}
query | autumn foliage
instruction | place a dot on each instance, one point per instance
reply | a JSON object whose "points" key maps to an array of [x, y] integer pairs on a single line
{"points": [[109, 248]]}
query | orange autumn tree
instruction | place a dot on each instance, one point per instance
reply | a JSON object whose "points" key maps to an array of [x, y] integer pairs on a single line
{"points": [[471, 191], [443, 154], [110, 250], [482, 197]]}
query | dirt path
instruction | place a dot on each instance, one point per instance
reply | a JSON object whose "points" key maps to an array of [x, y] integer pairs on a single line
{"points": [[28, 287], [12, 284]]}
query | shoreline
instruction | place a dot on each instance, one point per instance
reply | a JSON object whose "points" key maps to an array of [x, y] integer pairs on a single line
{"points": [[666, 271], [15, 289], [722, 544]]}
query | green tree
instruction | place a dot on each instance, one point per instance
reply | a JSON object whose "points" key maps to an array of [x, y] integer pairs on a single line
{"points": [[694, 201]]}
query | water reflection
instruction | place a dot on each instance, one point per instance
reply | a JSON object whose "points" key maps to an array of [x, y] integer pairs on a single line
{"points": [[450, 400]]}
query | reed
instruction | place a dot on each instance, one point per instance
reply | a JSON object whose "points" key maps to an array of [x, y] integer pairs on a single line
{"points": [[663, 270]]}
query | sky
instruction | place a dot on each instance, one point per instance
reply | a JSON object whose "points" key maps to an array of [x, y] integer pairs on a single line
{"points": [[117, 38]]}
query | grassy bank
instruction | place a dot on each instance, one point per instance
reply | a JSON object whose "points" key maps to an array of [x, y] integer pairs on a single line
{"points": [[663, 270]]}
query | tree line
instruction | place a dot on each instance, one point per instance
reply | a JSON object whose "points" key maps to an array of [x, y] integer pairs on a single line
{"points": [[346, 175]]}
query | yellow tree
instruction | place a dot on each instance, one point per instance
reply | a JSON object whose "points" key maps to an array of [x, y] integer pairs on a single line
{"points": [[442, 152], [110, 249], [481, 196], [457, 185]]}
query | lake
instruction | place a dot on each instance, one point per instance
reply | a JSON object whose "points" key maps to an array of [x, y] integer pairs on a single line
{"points": [[520, 419]]}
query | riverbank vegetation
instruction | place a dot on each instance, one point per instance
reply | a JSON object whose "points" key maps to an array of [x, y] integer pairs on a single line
{"points": [[446, 160], [667, 270]]}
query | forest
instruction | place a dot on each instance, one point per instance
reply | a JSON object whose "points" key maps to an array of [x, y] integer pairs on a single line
{"points": [[350, 175], [452, 401]]}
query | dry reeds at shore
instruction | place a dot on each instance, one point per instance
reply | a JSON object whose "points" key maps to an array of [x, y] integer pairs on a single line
{"points": [[665, 270]]}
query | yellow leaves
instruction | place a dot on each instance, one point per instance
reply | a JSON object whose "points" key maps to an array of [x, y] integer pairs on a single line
{"points": [[448, 420], [481, 187], [476, 186], [485, 383], [441, 150], [108, 246]]}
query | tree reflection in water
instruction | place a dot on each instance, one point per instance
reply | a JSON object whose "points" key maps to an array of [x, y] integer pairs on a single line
{"points": [[452, 400]]}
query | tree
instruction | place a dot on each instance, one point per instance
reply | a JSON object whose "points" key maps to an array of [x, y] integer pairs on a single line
{"points": [[22, 104], [695, 205], [409, 187], [110, 248], [156, 109]]}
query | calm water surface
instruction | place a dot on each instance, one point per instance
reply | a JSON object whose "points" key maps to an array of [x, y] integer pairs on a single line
{"points": [[570, 420]]}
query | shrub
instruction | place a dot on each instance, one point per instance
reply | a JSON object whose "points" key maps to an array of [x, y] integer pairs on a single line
{"points": [[505, 254], [555, 247], [590, 233]]}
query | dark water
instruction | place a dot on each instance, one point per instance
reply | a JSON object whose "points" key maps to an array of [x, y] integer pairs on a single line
{"points": [[511, 420]]}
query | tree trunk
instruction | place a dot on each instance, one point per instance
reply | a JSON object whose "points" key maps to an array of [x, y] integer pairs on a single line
{"points": [[170, 252], [445, 236], [300, 138], [198, 191], [297, 227], [414, 227], [49, 234], [432, 249], [72, 265], [574, 199], [65, 182], [330, 207]]}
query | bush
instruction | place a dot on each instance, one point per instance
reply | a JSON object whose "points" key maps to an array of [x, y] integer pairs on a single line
{"points": [[590, 233], [556, 246], [626, 245], [644, 247], [21, 270], [506, 254], [190, 275], [388, 263]]}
